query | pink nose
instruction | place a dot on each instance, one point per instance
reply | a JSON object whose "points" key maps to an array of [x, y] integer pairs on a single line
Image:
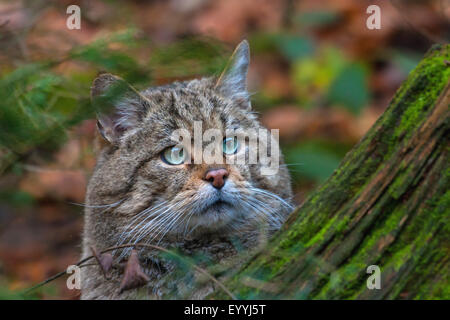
{"points": [[216, 177]]}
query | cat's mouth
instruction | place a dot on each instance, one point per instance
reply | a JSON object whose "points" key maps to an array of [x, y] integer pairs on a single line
{"points": [[218, 205], [214, 215], [216, 202], [214, 210]]}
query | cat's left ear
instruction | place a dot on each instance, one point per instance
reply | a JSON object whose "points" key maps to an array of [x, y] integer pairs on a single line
{"points": [[232, 82], [118, 105]]}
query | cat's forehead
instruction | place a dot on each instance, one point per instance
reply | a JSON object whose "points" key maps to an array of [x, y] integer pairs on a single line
{"points": [[181, 104]]}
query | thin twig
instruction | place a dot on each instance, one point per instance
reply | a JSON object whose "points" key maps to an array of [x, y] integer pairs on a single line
{"points": [[54, 277], [136, 245]]}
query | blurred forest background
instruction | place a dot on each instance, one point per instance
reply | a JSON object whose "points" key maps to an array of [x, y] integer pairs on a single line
{"points": [[317, 74]]}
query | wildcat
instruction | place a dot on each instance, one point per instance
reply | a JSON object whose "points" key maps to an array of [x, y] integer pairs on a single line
{"points": [[143, 189]]}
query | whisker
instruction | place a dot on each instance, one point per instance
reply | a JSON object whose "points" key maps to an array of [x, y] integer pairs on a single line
{"points": [[174, 224], [274, 211], [150, 211], [158, 227], [154, 223], [272, 214], [190, 215], [292, 164], [170, 227], [187, 223], [147, 213], [274, 196], [96, 205], [260, 210]]}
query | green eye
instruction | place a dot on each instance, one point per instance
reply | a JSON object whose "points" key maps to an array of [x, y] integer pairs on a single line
{"points": [[174, 155], [230, 145]]}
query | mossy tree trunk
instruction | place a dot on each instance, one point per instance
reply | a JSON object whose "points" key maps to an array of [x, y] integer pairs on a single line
{"points": [[388, 204]]}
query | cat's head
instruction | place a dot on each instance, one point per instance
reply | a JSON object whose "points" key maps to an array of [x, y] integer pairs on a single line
{"points": [[147, 185]]}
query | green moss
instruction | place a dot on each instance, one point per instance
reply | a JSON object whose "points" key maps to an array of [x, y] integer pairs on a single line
{"points": [[431, 76], [322, 253], [320, 235]]}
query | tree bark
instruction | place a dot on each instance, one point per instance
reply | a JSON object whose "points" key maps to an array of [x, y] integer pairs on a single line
{"points": [[387, 204]]}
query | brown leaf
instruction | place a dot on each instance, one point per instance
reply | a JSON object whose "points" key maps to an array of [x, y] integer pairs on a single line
{"points": [[105, 261], [134, 277], [236, 18]]}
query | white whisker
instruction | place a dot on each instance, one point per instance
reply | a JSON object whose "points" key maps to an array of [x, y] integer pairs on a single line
{"points": [[274, 196], [96, 205]]}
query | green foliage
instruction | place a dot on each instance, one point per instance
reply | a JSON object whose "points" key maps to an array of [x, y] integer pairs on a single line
{"points": [[6, 294], [313, 75], [189, 57], [16, 198], [294, 47], [38, 104], [31, 111], [320, 75], [318, 18], [406, 61], [290, 46], [329, 75], [313, 160], [349, 88]]}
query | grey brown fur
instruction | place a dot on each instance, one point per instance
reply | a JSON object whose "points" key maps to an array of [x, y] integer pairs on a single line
{"points": [[131, 184]]}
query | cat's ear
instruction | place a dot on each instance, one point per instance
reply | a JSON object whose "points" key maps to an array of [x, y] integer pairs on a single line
{"points": [[119, 106], [233, 80]]}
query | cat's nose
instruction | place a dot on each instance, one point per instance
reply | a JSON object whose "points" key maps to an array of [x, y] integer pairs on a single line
{"points": [[216, 177]]}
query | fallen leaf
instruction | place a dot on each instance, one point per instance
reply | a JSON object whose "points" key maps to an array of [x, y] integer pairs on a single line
{"points": [[134, 277], [104, 260]]}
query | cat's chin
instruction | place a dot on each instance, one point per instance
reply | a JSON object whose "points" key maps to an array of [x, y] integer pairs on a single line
{"points": [[213, 218]]}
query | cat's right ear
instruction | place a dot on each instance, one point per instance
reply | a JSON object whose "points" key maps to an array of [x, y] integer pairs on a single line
{"points": [[232, 82], [119, 106]]}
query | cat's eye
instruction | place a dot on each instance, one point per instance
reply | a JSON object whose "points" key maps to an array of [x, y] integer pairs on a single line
{"points": [[174, 155], [230, 145]]}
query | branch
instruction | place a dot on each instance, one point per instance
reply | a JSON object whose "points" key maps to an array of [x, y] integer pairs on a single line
{"points": [[137, 245]]}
